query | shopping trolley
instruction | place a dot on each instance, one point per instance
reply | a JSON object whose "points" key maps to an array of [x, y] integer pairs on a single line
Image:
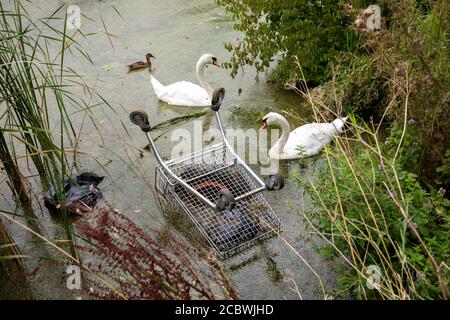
{"points": [[218, 191]]}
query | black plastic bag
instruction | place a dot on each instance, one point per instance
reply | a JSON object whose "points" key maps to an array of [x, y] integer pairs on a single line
{"points": [[81, 194]]}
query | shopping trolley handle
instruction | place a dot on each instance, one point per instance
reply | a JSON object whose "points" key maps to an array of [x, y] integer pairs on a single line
{"points": [[217, 98], [140, 118]]}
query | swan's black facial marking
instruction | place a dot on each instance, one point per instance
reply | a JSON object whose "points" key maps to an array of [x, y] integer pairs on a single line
{"points": [[263, 124], [215, 62]]}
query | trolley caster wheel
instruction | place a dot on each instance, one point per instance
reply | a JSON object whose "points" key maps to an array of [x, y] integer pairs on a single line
{"points": [[217, 98], [225, 200], [140, 118], [275, 181]]}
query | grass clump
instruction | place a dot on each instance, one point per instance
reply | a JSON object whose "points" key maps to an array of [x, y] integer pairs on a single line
{"points": [[382, 198], [374, 212]]}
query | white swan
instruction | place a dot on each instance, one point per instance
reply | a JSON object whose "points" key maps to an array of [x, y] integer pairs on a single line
{"points": [[185, 93], [304, 141]]}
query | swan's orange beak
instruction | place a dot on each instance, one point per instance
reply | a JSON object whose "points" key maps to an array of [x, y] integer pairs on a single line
{"points": [[216, 63], [263, 125]]}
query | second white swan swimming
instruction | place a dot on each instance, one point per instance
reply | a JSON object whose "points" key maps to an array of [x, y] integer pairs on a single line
{"points": [[185, 93], [304, 141]]}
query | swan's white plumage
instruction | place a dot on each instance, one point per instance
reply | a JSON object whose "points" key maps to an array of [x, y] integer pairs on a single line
{"points": [[304, 141], [310, 138], [181, 93], [185, 93]]}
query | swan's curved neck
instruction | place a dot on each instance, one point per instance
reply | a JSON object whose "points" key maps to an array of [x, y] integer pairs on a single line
{"points": [[285, 130], [199, 69]]}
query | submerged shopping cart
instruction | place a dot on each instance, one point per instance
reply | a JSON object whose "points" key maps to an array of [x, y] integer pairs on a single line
{"points": [[217, 191]]}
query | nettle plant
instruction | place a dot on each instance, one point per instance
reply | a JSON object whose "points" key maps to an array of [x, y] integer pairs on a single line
{"points": [[313, 31]]}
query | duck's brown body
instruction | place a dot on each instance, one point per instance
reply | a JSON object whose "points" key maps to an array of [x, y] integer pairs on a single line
{"points": [[137, 65], [141, 64]]}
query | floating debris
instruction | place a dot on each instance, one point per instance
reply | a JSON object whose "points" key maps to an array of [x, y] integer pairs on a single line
{"points": [[81, 194], [111, 66]]}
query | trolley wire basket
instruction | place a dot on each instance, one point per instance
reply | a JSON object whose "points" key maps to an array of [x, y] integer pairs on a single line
{"points": [[218, 192]]}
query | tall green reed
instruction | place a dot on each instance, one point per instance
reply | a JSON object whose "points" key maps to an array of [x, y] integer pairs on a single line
{"points": [[10, 254], [35, 97]]}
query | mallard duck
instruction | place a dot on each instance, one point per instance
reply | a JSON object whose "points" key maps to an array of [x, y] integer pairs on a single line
{"points": [[140, 64]]}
